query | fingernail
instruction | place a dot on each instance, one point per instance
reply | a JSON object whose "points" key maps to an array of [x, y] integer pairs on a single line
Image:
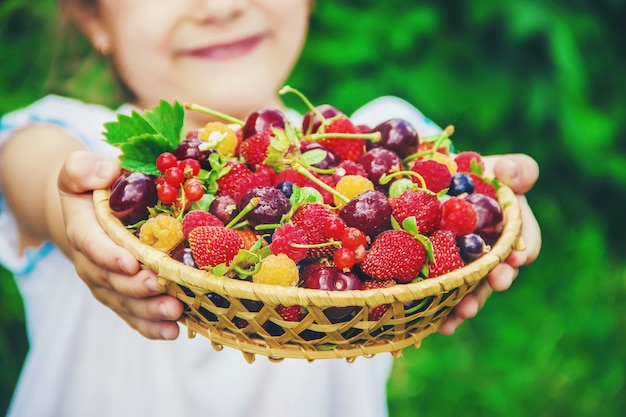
{"points": [[121, 265], [163, 310], [104, 168]]}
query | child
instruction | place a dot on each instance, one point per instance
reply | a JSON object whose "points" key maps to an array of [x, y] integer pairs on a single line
{"points": [[83, 360]]}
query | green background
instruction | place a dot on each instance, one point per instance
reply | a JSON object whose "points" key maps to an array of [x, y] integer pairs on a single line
{"points": [[546, 78]]}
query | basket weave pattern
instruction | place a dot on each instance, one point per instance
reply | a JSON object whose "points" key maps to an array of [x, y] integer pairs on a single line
{"points": [[243, 314]]}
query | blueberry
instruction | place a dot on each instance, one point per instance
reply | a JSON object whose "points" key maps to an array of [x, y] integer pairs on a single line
{"points": [[461, 183]]}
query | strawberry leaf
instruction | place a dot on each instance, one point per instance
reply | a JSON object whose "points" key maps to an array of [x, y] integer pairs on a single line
{"points": [[167, 120], [139, 153]]}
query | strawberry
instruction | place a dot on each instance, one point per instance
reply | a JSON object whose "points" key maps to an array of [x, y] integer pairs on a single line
{"points": [[447, 257], [310, 219], [377, 312], [195, 218], [290, 313], [481, 186], [248, 237], [345, 148], [235, 181], [436, 175], [254, 148], [214, 245], [425, 207], [394, 254], [458, 215]]}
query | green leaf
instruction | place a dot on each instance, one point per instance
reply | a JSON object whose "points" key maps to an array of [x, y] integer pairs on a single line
{"points": [[167, 119], [139, 153], [126, 127], [313, 156]]}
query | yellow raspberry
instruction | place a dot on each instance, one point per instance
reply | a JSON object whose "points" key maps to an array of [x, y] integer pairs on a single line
{"points": [[162, 232], [277, 270], [446, 160], [352, 186], [220, 137]]}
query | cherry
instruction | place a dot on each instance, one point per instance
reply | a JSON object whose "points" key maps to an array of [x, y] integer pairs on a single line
{"points": [[272, 205], [488, 212], [131, 195], [369, 212], [378, 162], [262, 119], [190, 148], [397, 135], [330, 278], [224, 207], [311, 122], [330, 161]]}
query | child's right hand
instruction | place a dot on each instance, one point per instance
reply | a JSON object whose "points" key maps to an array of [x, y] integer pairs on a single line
{"points": [[113, 275]]}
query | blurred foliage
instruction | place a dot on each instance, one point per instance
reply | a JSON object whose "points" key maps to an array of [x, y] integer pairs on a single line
{"points": [[539, 77]]}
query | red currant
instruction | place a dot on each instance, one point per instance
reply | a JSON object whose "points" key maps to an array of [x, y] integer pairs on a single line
{"points": [[344, 258], [167, 193], [353, 238], [174, 176], [194, 190], [166, 160], [190, 167], [334, 227]]}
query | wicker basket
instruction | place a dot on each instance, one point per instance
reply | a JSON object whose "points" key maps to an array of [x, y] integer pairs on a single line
{"points": [[244, 317]]}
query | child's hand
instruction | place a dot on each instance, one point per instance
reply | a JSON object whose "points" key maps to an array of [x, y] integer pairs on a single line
{"points": [[112, 274], [520, 172]]}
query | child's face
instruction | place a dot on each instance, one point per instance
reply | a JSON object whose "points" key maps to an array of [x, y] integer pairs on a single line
{"points": [[230, 55]]}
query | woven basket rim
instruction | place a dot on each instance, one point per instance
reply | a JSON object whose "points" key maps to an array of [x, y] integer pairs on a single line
{"points": [[168, 268]]}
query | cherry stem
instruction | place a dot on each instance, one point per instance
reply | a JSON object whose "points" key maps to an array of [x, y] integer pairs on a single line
{"points": [[302, 170], [214, 113], [289, 89], [440, 138], [388, 177], [373, 136], [254, 202]]}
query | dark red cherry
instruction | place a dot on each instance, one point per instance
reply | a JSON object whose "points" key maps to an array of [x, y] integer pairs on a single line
{"points": [[330, 278], [272, 205], [369, 212], [311, 122], [261, 120], [378, 162], [131, 195], [397, 135]]}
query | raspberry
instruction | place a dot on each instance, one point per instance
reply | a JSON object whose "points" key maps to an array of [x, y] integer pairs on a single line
{"points": [[351, 186], [277, 270], [445, 252], [282, 241], [458, 216], [290, 313], [436, 175], [310, 219], [254, 148], [425, 207], [196, 218], [236, 181], [220, 137], [348, 168], [162, 232]]}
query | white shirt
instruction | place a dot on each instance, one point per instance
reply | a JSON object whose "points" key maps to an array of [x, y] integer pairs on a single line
{"points": [[86, 361]]}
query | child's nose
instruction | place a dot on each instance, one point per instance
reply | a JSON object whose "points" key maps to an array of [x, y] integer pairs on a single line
{"points": [[218, 10]]}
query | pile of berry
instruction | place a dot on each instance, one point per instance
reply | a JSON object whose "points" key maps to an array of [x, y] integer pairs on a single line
{"points": [[323, 205]]}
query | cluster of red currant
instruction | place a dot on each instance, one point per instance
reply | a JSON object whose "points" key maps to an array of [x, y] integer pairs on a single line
{"points": [[178, 183]]}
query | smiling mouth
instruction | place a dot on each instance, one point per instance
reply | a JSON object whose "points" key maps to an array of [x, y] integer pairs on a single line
{"points": [[226, 51]]}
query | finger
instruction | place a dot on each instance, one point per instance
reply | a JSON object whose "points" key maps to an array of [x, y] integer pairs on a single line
{"points": [[155, 330], [157, 308], [141, 285], [467, 308], [501, 277], [87, 237], [85, 171], [531, 236], [518, 171]]}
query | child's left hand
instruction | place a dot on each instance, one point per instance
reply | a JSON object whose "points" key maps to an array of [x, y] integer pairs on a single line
{"points": [[520, 172]]}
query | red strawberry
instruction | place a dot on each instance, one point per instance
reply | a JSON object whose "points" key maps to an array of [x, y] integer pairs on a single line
{"points": [[394, 254], [344, 148], [290, 313], [425, 207], [214, 245], [464, 160], [436, 175], [254, 148], [236, 182], [377, 312], [458, 215], [483, 187], [248, 237], [310, 219], [195, 218], [445, 253]]}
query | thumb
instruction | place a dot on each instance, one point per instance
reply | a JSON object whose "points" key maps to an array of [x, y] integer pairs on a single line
{"points": [[518, 171], [85, 171]]}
